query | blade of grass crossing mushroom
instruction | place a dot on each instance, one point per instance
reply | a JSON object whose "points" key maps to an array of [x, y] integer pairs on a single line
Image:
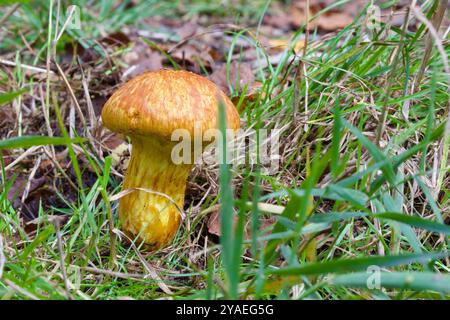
{"points": [[227, 238], [210, 280]]}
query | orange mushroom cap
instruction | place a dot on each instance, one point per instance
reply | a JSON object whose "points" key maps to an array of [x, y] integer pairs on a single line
{"points": [[157, 103]]}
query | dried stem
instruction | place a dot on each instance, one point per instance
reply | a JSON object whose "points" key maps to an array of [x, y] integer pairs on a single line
{"points": [[436, 23]]}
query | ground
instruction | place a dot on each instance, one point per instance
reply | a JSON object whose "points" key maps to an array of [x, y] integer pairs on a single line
{"points": [[354, 205]]}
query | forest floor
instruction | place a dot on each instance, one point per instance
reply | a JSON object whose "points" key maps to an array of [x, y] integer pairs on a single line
{"points": [[362, 177]]}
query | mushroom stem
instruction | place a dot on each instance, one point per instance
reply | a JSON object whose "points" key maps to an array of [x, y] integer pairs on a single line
{"points": [[153, 218]]}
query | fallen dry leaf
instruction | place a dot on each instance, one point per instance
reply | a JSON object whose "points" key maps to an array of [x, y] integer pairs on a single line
{"points": [[187, 30], [333, 20], [278, 45], [295, 16], [240, 74], [193, 55], [140, 59], [30, 227], [153, 63], [115, 39], [213, 224]]}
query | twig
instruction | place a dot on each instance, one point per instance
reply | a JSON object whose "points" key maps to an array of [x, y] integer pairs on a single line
{"points": [[419, 15], [25, 66], [64, 26], [30, 179], [60, 169], [22, 156], [90, 108], [221, 27], [111, 229], [436, 23], [9, 13], [299, 73], [384, 111], [18, 289], [71, 93], [122, 275], [62, 264], [147, 266]]}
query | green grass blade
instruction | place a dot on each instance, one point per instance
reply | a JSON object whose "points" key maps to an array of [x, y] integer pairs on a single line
{"points": [[357, 264], [396, 280], [30, 141], [10, 96]]}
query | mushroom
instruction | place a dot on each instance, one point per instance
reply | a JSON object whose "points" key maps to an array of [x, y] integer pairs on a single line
{"points": [[148, 109]]}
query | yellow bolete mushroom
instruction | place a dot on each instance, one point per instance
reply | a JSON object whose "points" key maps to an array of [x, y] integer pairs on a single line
{"points": [[148, 109]]}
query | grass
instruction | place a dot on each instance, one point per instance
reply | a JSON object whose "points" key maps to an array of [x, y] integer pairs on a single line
{"points": [[363, 182]]}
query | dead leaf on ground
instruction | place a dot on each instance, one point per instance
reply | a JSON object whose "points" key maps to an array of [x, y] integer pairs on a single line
{"points": [[277, 45], [30, 207], [141, 59], [213, 225], [331, 21], [30, 227], [193, 54], [153, 63], [187, 30], [295, 16], [240, 74], [115, 39], [250, 97]]}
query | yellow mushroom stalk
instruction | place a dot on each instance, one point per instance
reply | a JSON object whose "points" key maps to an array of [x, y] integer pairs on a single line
{"points": [[148, 109]]}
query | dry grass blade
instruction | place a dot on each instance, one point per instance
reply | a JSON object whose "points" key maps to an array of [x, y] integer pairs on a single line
{"points": [[20, 290], [435, 35], [151, 271], [436, 23], [25, 66], [121, 275], [62, 263]]}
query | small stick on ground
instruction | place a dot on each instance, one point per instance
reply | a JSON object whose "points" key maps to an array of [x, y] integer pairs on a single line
{"points": [[25, 66], [20, 290], [121, 275], [112, 234], [299, 72], [61, 259], [9, 13], [436, 22], [390, 81]]}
